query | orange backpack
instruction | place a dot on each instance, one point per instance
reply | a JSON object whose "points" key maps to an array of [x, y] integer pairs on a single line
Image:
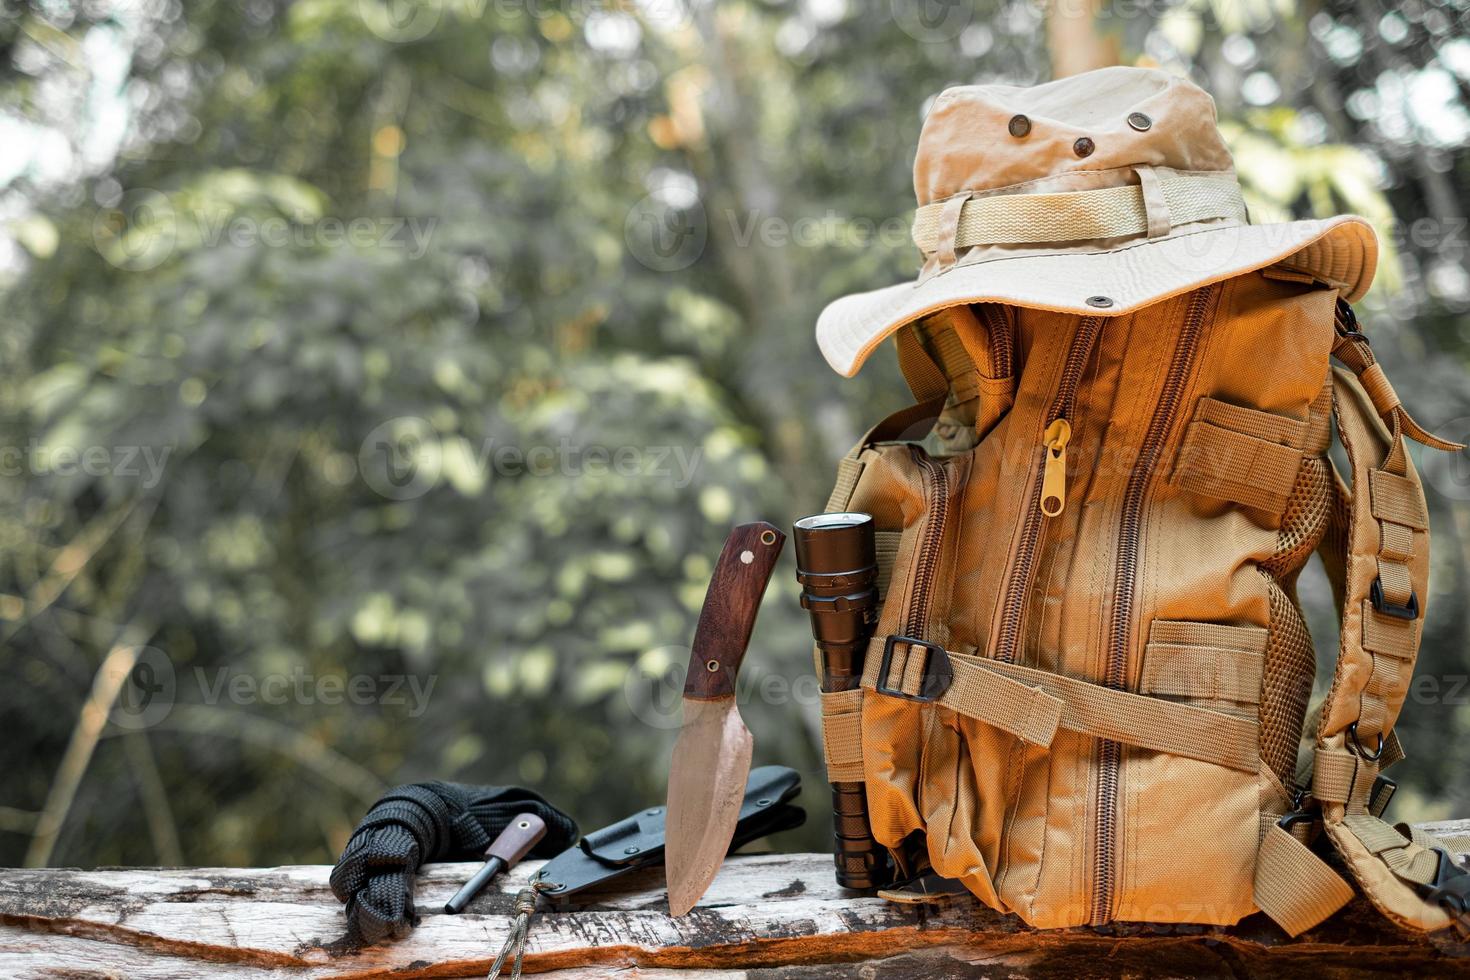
{"points": [[1087, 686]]}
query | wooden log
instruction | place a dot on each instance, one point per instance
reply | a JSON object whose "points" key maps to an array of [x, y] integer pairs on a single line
{"points": [[776, 916]]}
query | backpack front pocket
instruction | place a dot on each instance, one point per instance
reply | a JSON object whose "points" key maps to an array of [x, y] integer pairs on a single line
{"points": [[1183, 861]]}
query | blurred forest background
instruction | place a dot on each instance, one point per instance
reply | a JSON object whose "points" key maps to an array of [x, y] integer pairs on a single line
{"points": [[379, 379]]}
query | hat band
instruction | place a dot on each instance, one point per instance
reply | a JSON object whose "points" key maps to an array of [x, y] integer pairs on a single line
{"points": [[1113, 212]]}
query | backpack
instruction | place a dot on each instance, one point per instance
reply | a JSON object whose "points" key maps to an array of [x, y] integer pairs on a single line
{"points": [[1089, 676]]}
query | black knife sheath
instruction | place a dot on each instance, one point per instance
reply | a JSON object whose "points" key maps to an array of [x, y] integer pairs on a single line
{"points": [[637, 842]]}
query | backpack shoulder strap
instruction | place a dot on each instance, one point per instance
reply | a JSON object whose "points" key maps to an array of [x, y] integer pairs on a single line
{"points": [[1383, 583], [1378, 558], [1383, 545]]}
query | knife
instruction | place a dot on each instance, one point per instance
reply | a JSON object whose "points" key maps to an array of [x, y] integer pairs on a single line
{"points": [[712, 754]]}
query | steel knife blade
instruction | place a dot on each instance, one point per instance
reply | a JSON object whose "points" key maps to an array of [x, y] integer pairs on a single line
{"points": [[712, 755]]}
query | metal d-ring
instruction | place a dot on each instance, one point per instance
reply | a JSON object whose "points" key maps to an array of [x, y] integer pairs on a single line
{"points": [[1363, 753]]}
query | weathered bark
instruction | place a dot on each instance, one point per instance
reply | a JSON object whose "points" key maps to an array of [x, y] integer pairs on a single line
{"points": [[773, 916]]}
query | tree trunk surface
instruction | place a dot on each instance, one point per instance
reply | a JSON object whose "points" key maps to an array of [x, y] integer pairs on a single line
{"points": [[775, 916]]}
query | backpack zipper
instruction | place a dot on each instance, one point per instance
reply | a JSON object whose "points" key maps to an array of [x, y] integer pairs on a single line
{"points": [[1048, 494], [999, 330], [936, 485], [1125, 574]]}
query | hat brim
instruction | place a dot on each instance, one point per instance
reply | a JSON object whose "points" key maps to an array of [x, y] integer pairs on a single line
{"points": [[1339, 251]]}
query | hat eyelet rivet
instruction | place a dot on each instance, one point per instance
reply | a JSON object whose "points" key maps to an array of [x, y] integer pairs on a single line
{"points": [[1019, 126], [1140, 121], [1100, 302], [1084, 146]]}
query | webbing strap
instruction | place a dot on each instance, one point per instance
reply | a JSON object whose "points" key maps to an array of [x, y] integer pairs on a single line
{"points": [[1352, 349], [1457, 843], [1385, 579], [1112, 212], [842, 735], [955, 347], [1217, 462], [849, 468], [1408, 852], [1023, 701], [1026, 712], [1341, 776], [1295, 887], [923, 374], [1029, 713]]}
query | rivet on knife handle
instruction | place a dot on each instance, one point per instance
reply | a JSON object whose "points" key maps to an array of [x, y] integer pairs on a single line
{"points": [[728, 618]]}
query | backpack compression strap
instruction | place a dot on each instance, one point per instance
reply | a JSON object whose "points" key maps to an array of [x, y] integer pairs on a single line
{"points": [[1410, 876]]}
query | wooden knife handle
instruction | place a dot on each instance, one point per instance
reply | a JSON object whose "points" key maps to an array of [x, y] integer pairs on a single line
{"points": [[730, 607], [519, 836]]}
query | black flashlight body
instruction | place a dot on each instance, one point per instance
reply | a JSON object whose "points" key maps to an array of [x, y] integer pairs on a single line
{"points": [[837, 566]]}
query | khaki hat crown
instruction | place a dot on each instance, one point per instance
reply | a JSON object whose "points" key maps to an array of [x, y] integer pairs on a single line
{"points": [[982, 138]]}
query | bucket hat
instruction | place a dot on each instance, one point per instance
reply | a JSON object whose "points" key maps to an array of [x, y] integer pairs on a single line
{"points": [[1096, 194]]}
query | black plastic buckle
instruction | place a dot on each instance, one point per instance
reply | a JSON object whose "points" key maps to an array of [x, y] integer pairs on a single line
{"points": [[1375, 596], [1298, 812], [1381, 795], [1450, 889], [938, 671], [1347, 323], [1295, 817]]}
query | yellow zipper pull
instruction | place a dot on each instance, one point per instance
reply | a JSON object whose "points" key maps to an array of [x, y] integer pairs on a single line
{"points": [[1054, 477]]}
